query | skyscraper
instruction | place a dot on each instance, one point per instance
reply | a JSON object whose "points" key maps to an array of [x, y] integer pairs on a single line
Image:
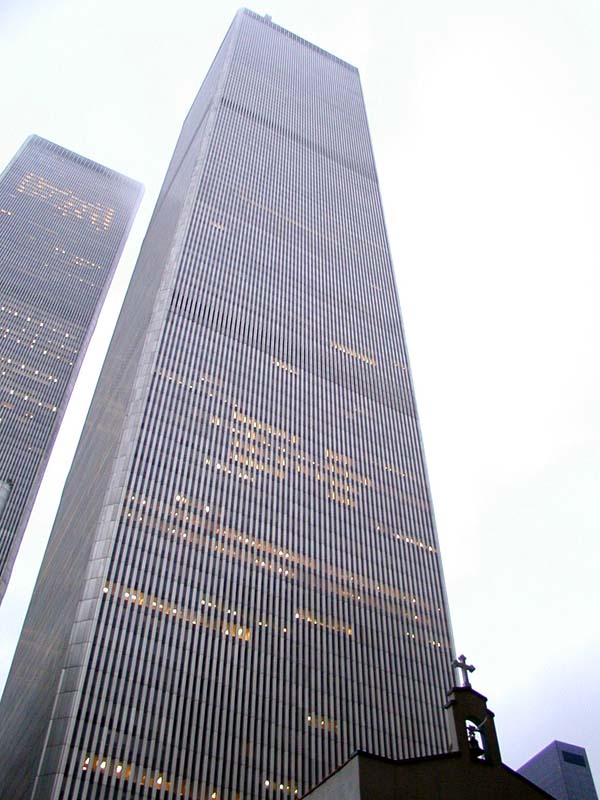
{"points": [[256, 590], [563, 771], [63, 222]]}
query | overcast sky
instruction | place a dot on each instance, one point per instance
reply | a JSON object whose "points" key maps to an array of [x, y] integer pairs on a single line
{"points": [[485, 118]]}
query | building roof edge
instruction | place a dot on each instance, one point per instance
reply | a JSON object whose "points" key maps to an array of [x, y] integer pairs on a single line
{"points": [[266, 20], [40, 141]]}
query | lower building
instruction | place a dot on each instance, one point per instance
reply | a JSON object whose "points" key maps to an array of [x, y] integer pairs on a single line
{"points": [[563, 771], [472, 770]]}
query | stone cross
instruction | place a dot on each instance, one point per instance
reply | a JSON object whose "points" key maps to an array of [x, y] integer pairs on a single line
{"points": [[461, 664]]}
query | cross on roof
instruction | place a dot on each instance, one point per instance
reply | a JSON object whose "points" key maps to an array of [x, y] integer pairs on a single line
{"points": [[461, 664]]}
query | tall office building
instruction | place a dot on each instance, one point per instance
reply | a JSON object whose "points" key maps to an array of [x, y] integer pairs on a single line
{"points": [[63, 222], [563, 771], [257, 589]]}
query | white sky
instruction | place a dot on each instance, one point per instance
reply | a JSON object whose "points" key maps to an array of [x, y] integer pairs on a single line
{"points": [[485, 117]]}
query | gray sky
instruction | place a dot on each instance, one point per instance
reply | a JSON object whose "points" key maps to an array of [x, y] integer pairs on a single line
{"points": [[485, 117]]}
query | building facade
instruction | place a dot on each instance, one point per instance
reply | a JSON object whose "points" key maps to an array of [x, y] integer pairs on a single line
{"points": [[63, 222], [257, 589], [562, 770]]}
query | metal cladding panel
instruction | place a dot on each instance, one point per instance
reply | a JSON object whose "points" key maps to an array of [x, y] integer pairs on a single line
{"points": [[63, 223], [264, 594]]}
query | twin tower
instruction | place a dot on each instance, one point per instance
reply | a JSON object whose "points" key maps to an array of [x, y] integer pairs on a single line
{"points": [[243, 584]]}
